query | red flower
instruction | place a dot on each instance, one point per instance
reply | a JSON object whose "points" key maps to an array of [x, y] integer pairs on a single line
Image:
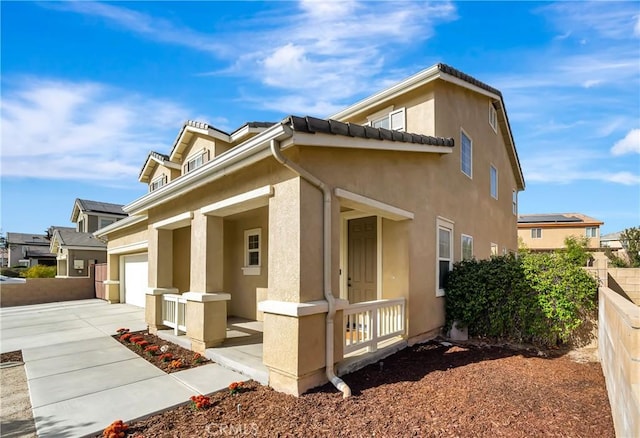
{"points": [[126, 337]]}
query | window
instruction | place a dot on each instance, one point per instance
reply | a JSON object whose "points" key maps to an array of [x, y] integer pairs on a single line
{"points": [[536, 233], [196, 161], [465, 154], [494, 182], [252, 256], [493, 117], [494, 249], [445, 254], [394, 120], [158, 182], [81, 226], [103, 222], [467, 247], [592, 232], [514, 202]]}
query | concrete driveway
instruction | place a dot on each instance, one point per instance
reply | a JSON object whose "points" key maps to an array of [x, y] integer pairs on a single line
{"points": [[80, 379]]}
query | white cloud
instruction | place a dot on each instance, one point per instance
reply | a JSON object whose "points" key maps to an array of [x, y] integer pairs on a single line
{"points": [[630, 144], [616, 20], [636, 28], [81, 130]]}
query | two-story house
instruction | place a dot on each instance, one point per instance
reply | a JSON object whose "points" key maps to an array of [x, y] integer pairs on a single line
{"points": [[76, 249], [547, 232], [338, 233], [27, 250]]}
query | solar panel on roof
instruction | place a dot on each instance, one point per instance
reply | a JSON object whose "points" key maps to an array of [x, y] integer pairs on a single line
{"points": [[547, 218]]}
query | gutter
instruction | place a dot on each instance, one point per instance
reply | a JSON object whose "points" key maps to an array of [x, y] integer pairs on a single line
{"points": [[328, 293]]}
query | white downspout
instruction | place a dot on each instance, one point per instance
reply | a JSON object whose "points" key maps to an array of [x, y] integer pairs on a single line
{"points": [[328, 293]]}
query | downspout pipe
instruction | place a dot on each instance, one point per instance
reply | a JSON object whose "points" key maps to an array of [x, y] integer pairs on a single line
{"points": [[328, 293]]}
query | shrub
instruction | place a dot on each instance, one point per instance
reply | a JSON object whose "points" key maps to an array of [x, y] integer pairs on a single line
{"points": [[7, 272], [540, 298], [630, 239], [40, 271]]}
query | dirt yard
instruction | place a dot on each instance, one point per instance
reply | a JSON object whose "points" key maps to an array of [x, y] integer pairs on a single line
{"points": [[429, 390]]}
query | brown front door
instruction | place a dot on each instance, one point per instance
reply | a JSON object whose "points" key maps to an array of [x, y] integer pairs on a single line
{"points": [[362, 269]]}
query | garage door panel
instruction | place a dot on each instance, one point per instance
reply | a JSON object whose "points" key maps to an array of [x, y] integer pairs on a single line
{"points": [[136, 274]]}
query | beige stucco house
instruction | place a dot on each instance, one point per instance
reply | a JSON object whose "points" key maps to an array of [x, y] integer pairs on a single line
{"points": [[548, 231], [336, 233]]}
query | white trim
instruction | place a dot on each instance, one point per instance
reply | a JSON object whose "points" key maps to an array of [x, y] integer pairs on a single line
{"points": [[462, 237], [248, 269], [107, 218], [379, 114], [447, 224], [463, 132], [108, 282], [494, 245], [493, 117], [379, 257], [121, 224], [492, 167], [371, 206], [191, 130], [178, 221], [341, 141], [404, 120], [84, 248], [161, 290], [514, 202], [297, 310], [205, 297], [130, 247], [243, 202]]}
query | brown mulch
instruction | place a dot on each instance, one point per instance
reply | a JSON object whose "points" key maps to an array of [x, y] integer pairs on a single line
{"points": [[11, 356], [169, 364], [426, 390]]}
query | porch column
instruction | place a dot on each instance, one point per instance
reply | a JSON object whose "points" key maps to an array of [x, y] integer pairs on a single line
{"points": [[206, 314], [160, 262], [112, 284], [295, 311]]}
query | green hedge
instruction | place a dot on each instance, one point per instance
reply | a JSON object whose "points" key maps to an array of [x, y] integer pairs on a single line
{"points": [[8, 272], [40, 271], [539, 298]]}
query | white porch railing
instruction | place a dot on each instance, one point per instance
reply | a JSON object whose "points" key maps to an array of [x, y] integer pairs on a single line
{"points": [[371, 322], [173, 312]]}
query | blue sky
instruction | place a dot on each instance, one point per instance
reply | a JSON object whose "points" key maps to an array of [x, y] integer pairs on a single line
{"points": [[89, 88]]}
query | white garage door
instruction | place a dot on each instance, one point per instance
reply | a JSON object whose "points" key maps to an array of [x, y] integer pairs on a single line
{"points": [[135, 279]]}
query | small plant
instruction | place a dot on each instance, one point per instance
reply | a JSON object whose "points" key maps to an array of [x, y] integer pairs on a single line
{"points": [[122, 331], [166, 357], [197, 358], [116, 429], [176, 364], [200, 402], [126, 337], [235, 387], [151, 350], [136, 338], [142, 343], [40, 271]]}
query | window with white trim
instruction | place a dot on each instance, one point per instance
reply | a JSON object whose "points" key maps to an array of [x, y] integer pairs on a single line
{"points": [[196, 161], [103, 222], [592, 231], [158, 182], [252, 251], [395, 120], [494, 249], [493, 117], [536, 233], [493, 172], [467, 246], [466, 152], [444, 264], [514, 202]]}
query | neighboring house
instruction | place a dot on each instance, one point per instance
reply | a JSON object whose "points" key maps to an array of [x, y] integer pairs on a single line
{"points": [[611, 240], [29, 250], [301, 221], [90, 216], [76, 252], [548, 231]]}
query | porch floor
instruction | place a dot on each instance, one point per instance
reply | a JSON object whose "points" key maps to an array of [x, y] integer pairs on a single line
{"points": [[241, 351]]}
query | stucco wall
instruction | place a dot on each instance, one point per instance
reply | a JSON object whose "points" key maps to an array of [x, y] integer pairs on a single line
{"points": [[619, 349], [182, 258], [553, 237], [46, 290], [75, 254]]}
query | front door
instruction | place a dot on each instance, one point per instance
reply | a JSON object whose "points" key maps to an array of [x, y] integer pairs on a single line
{"points": [[362, 253]]}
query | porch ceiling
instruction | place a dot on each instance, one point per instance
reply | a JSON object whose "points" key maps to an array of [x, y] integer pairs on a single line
{"points": [[369, 205]]}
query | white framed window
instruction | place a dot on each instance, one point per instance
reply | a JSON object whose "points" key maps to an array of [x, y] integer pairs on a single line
{"points": [[494, 249], [466, 242], [493, 117], [444, 263], [536, 233], [466, 154], [493, 172], [81, 226], [196, 161], [158, 182], [394, 120], [252, 251], [514, 202], [592, 231], [103, 222]]}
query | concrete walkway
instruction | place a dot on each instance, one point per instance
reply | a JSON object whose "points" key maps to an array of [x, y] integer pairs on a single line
{"points": [[80, 379]]}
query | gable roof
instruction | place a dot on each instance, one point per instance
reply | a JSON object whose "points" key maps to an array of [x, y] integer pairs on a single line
{"points": [[447, 73], [85, 205], [70, 237], [153, 159], [27, 239]]}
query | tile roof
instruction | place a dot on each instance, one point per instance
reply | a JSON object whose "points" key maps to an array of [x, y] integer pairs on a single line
{"points": [[70, 237], [467, 78], [328, 126], [101, 207], [158, 155], [27, 239]]}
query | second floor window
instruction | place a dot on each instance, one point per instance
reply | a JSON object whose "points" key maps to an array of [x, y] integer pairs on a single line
{"points": [[592, 232], [394, 120], [536, 233], [104, 222], [465, 154], [494, 182], [157, 183], [467, 247], [196, 161]]}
